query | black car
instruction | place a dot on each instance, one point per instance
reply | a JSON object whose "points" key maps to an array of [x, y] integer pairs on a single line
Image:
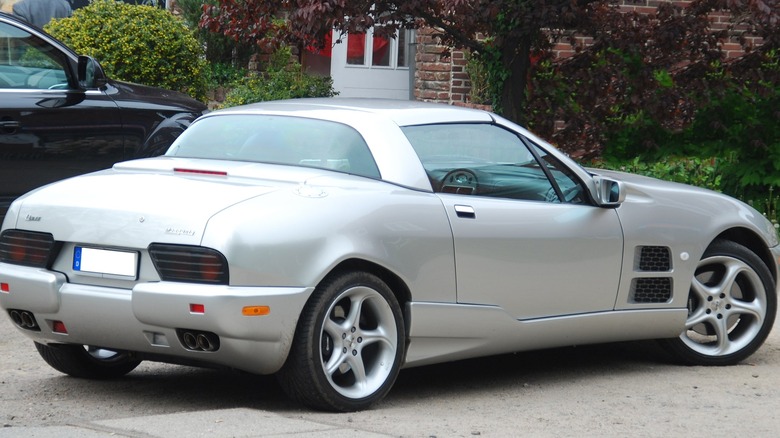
{"points": [[61, 116]]}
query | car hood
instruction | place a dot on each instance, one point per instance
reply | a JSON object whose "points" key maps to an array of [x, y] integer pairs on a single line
{"points": [[641, 188], [140, 202], [132, 95], [657, 201]]}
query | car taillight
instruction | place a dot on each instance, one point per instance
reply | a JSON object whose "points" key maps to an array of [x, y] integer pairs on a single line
{"points": [[189, 264], [26, 248]]}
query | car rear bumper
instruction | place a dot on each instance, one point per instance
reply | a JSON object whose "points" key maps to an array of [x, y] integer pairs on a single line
{"points": [[150, 318]]}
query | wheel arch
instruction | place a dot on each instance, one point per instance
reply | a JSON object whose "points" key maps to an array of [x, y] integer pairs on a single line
{"points": [[753, 242], [396, 284]]}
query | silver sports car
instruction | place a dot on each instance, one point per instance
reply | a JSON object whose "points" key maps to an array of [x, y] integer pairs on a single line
{"points": [[334, 242]]}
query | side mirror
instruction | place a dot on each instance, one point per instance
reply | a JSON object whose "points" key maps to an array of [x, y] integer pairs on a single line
{"points": [[608, 193], [90, 73]]}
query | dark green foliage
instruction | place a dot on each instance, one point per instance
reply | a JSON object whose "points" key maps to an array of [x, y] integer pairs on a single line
{"points": [[744, 130], [739, 123], [220, 74], [281, 80], [694, 171], [220, 50]]}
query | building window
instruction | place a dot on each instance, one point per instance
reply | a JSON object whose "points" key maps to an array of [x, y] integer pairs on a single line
{"points": [[379, 51]]}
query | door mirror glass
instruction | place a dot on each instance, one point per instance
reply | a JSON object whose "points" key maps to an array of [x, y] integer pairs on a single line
{"points": [[90, 74], [608, 192]]}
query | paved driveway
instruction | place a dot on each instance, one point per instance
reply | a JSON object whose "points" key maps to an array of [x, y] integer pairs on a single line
{"points": [[613, 390]]}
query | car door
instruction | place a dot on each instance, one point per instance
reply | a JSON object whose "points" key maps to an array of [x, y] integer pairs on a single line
{"points": [[49, 128], [526, 236]]}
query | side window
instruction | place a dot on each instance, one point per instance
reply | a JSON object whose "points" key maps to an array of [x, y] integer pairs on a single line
{"points": [[568, 187], [487, 160], [27, 62]]}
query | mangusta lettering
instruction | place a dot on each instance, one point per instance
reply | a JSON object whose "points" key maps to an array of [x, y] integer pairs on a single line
{"points": [[179, 232]]}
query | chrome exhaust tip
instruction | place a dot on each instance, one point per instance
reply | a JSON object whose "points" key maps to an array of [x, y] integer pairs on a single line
{"points": [[24, 319], [204, 343], [195, 340], [190, 341]]}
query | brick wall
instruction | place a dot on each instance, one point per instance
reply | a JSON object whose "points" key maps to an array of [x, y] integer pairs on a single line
{"points": [[440, 74]]}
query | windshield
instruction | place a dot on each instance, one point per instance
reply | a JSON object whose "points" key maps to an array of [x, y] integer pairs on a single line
{"points": [[294, 141]]}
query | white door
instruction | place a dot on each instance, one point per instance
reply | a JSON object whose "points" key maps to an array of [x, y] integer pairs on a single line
{"points": [[364, 65]]}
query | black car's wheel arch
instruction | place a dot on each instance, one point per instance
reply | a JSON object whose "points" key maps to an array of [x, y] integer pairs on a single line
{"points": [[753, 242]]}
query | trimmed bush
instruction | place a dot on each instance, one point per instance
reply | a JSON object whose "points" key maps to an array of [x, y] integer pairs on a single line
{"points": [[136, 43], [281, 80]]}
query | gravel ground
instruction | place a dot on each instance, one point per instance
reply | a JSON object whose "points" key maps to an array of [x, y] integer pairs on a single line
{"points": [[626, 389]]}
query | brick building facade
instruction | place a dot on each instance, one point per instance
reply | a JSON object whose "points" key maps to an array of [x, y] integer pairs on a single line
{"points": [[441, 76]]}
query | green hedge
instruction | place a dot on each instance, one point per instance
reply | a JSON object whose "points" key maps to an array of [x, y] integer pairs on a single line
{"points": [[135, 43], [282, 79]]}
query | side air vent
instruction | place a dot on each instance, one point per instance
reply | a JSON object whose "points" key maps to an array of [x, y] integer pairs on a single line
{"points": [[653, 259], [651, 290]]}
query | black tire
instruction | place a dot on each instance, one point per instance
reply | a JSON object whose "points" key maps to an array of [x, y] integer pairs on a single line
{"points": [[87, 362], [348, 346], [731, 307]]}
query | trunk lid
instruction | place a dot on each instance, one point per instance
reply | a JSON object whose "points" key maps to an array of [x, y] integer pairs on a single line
{"points": [[154, 200]]}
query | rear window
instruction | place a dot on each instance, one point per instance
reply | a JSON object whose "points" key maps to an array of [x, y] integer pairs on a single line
{"points": [[294, 141]]}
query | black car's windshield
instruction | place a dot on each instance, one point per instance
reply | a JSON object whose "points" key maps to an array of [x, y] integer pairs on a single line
{"points": [[274, 139]]}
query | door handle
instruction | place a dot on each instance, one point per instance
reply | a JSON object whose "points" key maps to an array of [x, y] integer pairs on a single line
{"points": [[465, 211], [9, 126]]}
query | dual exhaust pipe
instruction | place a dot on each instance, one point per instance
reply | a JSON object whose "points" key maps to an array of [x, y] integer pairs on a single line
{"points": [[24, 319], [195, 340]]}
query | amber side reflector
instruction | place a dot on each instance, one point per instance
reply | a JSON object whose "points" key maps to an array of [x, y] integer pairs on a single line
{"points": [[256, 310]]}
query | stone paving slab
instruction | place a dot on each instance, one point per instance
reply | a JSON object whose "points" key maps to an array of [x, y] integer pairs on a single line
{"points": [[228, 423]]}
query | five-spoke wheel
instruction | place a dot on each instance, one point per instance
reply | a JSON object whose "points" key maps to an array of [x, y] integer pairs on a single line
{"points": [[349, 345], [731, 307]]}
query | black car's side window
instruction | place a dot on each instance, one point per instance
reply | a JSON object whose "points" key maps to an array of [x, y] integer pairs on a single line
{"points": [[27, 62], [488, 160]]}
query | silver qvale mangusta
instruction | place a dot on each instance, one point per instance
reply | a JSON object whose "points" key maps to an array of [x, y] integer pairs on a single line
{"points": [[333, 242]]}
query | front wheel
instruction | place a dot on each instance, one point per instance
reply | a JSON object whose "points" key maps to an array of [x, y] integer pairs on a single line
{"points": [[86, 361], [348, 345], [731, 307]]}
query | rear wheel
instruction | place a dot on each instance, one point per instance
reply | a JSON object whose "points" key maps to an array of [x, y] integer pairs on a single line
{"points": [[731, 307], [86, 361], [348, 346]]}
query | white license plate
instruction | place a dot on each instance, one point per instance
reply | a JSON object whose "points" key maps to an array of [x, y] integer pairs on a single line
{"points": [[106, 263]]}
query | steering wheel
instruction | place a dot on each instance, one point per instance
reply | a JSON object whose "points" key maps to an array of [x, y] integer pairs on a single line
{"points": [[460, 181]]}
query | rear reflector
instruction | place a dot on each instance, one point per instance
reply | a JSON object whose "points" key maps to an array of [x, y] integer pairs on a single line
{"points": [[59, 327], [197, 308], [4, 287]]}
